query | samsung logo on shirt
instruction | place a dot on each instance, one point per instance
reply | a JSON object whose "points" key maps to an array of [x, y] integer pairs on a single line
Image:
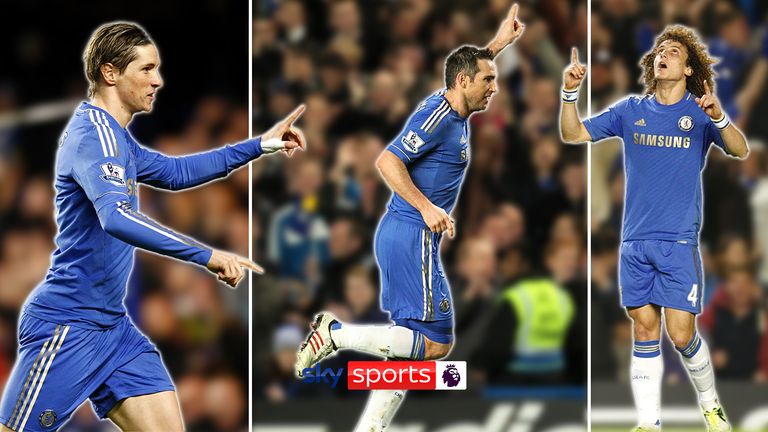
{"points": [[667, 141]]}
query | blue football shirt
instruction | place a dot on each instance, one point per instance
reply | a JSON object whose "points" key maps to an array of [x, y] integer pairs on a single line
{"points": [[98, 170], [665, 147], [434, 146]]}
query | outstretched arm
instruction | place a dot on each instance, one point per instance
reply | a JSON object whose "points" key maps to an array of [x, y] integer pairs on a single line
{"points": [[121, 221], [734, 142], [176, 173], [572, 129], [103, 179], [509, 30]]}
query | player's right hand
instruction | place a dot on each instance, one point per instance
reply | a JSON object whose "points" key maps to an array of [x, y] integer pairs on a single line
{"points": [[438, 220], [575, 72], [284, 135], [230, 268]]}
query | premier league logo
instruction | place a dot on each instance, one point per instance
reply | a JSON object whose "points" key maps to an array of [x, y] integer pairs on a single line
{"points": [[685, 123], [412, 142], [114, 174], [451, 376], [47, 418]]}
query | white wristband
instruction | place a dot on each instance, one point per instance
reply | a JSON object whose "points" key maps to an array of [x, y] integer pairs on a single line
{"points": [[272, 145], [570, 96], [723, 122]]}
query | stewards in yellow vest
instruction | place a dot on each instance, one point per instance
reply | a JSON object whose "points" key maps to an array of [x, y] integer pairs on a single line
{"points": [[543, 312]]}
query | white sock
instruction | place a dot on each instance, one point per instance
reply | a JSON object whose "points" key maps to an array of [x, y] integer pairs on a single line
{"points": [[646, 370], [381, 408], [389, 341], [696, 359]]}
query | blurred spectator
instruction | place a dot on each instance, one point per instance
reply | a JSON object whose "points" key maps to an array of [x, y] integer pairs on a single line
{"points": [[282, 384], [346, 250], [475, 290], [736, 323], [526, 340], [226, 402], [611, 330], [361, 296], [298, 234]]}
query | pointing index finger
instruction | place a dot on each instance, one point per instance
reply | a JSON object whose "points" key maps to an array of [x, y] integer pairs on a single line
{"points": [[513, 12], [294, 115], [250, 265], [706, 88], [574, 55]]}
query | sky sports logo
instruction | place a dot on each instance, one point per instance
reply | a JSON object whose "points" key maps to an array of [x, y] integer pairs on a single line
{"points": [[393, 375]]}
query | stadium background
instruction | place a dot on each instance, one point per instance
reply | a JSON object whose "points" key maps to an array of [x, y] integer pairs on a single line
{"points": [[361, 68], [199, 325], [733, 238]]}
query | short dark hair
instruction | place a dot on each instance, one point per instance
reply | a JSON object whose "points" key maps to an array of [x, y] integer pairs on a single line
{"points": [[464, 59], [113, 43]]}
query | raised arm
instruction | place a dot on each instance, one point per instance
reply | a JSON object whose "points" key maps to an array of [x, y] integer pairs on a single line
{"points": [[176, 173], [735, 143], [572, 129], [509, 30]]}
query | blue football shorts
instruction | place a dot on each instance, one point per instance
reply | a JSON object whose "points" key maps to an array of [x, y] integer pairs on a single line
{"points": [[414, 289], [664, 273], [60, 366]]}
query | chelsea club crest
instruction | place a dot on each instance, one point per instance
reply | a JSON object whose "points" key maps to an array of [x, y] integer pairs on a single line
{"points": [[685, 123], [47, 418]]}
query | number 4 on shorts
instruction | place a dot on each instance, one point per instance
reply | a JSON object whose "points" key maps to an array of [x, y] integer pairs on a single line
{"points": [[693, 295]]}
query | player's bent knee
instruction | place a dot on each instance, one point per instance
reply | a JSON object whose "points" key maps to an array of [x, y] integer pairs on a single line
{"points": [[646, 323], [680, 337], [436, 350], [645, 333]]}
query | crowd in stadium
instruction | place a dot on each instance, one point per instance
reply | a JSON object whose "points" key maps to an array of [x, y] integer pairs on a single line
{"points": [[520, 216]]}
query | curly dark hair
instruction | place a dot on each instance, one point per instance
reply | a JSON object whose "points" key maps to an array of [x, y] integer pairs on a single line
{"points": [[698, 60]]}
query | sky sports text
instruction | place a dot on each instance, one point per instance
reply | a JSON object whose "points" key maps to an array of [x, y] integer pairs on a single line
{"points": [[393, 375]]}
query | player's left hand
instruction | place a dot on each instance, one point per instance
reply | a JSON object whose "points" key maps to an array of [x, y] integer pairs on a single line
{"points": [[709, 103], [510, 29]]}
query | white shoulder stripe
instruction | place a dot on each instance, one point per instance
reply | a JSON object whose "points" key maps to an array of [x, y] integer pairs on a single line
{"points": [[432, 116], [104, 131], [111, 133], [437, 119], [98, 130], [155, 229], [100, 119]]}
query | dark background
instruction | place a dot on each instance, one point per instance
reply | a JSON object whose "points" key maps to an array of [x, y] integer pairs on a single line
{"points": [[199, 325]]}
